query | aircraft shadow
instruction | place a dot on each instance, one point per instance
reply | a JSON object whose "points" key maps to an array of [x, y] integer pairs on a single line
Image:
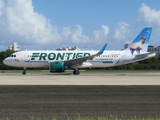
{"points": [[59, 74]]}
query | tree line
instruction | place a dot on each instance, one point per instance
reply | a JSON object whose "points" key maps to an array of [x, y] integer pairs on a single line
{"points": [[3, 55], [148, 64]]}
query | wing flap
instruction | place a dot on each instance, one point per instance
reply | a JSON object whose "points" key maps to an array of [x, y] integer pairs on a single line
{"points": [[84, 59]]}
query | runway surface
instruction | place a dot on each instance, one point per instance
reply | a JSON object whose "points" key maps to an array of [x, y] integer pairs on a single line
{"points": [[70, 101], [82, 79], [67, 95]]}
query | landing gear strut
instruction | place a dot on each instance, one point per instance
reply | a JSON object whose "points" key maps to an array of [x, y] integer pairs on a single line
{"points": [[24, 71], [76, 72]]}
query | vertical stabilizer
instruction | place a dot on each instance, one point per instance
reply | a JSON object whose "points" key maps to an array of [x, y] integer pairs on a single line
{"points": [[140, 43], [137, 47]]}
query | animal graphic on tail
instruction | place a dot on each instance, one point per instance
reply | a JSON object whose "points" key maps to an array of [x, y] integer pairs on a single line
{"points": [[138, 46]]}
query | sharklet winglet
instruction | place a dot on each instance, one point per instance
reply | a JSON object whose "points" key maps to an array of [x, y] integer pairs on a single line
{"points": [[102, 50]]}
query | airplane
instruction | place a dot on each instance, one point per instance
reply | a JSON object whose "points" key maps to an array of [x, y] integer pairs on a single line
{"points": [[59, 61]]}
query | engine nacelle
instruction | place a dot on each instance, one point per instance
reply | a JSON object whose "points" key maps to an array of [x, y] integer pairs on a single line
{"points": [[56, 66]]}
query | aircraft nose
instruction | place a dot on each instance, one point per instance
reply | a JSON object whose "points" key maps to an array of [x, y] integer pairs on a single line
{"points": [[6, 61]]}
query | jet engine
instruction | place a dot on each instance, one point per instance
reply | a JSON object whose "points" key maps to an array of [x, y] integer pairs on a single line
{"points": [[56, 66]]}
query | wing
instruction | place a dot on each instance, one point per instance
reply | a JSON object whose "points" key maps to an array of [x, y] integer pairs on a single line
{"points": [[84, 59]]}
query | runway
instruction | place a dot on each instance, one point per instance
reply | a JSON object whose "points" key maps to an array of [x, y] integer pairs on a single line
{"points": [[73, 101], [67, 95], [82, 79]]}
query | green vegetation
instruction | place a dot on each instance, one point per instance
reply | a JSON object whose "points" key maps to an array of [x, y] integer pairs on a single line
{"points": [[3, 55], [149, 64]]}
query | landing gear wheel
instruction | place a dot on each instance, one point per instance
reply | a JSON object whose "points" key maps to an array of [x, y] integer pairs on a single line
{"points": [[24, 72], [76, 72]]}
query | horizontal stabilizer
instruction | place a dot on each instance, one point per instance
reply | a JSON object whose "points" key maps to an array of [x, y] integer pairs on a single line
{"points": [[143, 55]]}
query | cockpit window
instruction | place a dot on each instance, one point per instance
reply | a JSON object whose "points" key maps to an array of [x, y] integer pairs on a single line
{"points": [[13, 56]]}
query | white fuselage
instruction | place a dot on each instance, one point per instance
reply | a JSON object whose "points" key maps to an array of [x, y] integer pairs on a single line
{"points": [[41, 59]]}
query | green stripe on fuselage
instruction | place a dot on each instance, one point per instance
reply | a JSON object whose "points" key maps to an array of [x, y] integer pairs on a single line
{"points": [[34, 55]]}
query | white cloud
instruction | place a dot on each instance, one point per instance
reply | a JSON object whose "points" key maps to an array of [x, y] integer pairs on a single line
{"points": [[148, 15], [22, 24], [26, 26], [121, 31], [66, 32], [74, 35], [105, 29], [100, 36], [20, 21], [78, 36]]}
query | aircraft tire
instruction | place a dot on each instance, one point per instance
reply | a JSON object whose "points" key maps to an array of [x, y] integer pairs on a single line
{"points": [[76, 72], [24, 72]]}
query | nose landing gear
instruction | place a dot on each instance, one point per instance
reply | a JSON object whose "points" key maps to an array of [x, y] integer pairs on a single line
{"points": [[24, 71]]}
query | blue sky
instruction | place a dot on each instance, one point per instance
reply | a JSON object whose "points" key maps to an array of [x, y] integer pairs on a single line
{"points": [[49, 24]]}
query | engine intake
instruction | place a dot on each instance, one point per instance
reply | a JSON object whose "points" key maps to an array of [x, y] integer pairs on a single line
{"points": [[57, 66]]}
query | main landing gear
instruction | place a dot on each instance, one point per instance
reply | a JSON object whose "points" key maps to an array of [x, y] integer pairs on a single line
{"points": [[24, 71], [76, 72]]}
